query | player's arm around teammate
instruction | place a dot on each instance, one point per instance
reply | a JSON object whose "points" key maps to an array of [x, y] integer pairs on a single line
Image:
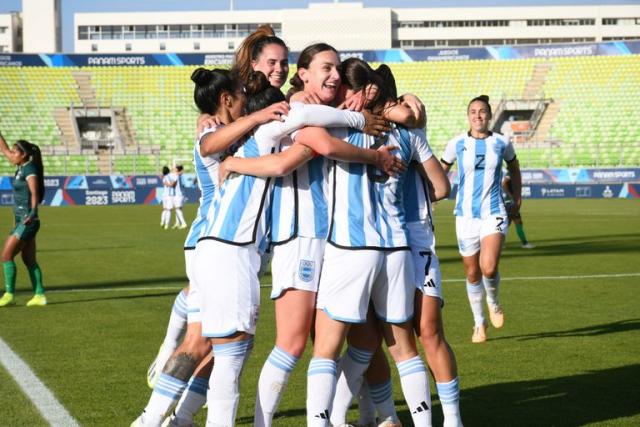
{"points": [[481, 218], [28, 193]]}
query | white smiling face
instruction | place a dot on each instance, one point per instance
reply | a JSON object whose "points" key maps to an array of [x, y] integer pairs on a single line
{"points": [[479, 116], [274, 63], [322, 78]]}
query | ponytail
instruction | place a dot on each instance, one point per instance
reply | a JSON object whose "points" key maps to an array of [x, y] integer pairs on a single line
{"points": [[33, 151], [251, 48]]}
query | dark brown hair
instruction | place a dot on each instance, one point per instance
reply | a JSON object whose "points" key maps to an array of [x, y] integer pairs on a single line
{"points": [[305, 58], [210, 84], [481, 98], [251, 48]]}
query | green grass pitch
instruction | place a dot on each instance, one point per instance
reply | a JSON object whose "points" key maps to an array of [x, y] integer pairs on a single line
{"points": [[567, 355]]}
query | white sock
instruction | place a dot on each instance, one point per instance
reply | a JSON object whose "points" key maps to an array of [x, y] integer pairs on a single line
{"points": [[415, 387], [224, 393], [366, 407], [382, 397], [177, 322], [321, 383], [166, 217], [449, 394], [475, 293], [272, 383], [193, 398], [180, 218], [165, 394], [492, 286], [351, 368]]}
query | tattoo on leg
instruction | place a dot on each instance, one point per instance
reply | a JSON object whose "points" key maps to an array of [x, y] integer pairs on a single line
{"points": [[181, 366]]}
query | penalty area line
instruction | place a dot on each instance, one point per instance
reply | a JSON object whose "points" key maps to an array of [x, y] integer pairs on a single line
{"points": [[41, 397]]}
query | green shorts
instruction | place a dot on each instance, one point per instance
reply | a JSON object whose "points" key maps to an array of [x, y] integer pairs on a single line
{"points": [[26, 232]]}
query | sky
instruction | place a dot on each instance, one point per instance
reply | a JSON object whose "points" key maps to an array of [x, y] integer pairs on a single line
{"points": [[69, 7]]}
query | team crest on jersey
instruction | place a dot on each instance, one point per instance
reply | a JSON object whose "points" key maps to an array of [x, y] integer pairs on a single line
{"points": [[307, 269]]}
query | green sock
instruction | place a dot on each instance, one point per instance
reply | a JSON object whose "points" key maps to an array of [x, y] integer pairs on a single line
{"points": [[35, 274], [520, 232], [9, 268]]}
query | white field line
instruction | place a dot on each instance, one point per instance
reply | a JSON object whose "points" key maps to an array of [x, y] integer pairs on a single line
{"points": [[42, 398], [268, 285]]}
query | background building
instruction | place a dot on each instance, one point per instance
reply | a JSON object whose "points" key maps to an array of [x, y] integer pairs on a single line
{"points": [[352, 26]]}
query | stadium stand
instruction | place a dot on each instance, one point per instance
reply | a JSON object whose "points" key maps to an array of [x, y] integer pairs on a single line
{"points": [[591, 113]]}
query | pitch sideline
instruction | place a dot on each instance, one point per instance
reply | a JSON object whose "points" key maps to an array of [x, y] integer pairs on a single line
{"points": [[42, 398]]}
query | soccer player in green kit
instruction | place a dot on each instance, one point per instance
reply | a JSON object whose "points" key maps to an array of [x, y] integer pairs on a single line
{"points": [[28, 192]]}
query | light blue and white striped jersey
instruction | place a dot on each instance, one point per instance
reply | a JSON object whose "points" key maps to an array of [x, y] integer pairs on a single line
{"points": [[479, 173], [239, 214], [417, 204], [177, 178], [167, 189], [368, 210], [207, 178], [299, 205]]}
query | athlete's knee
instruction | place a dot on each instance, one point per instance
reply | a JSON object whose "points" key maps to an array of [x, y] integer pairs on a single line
{"points": [[295, 345], [431, 336], [489, 269], [474, 276]]}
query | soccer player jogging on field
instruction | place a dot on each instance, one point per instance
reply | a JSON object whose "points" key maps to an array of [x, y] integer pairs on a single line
{"points": [[481, 217], [28, 193]]}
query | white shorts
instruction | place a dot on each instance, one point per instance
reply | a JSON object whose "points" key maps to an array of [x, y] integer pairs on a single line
{"points": [[194, 313], [297, 264], [178, 202], [352, 278], [227, 277], [422, 242], [167, 202], [471, 231]]}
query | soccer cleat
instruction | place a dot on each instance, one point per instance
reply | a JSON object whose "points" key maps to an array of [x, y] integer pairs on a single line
{"points": [[7, 299], [37, 301], [528, 246], [182, 227], [496, 315], [479, 334]]}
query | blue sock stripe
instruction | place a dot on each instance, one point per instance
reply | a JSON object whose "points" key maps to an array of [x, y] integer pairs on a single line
{"points": [[282, 360], [474, 289], [199, 385], [411, 366], [360, 356], [169, 386], [180, 304], [321, 366], [380, 392], [237, 348], [449, 392]]}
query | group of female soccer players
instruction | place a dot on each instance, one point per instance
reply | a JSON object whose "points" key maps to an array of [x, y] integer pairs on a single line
{"points": [[341, 200]]}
